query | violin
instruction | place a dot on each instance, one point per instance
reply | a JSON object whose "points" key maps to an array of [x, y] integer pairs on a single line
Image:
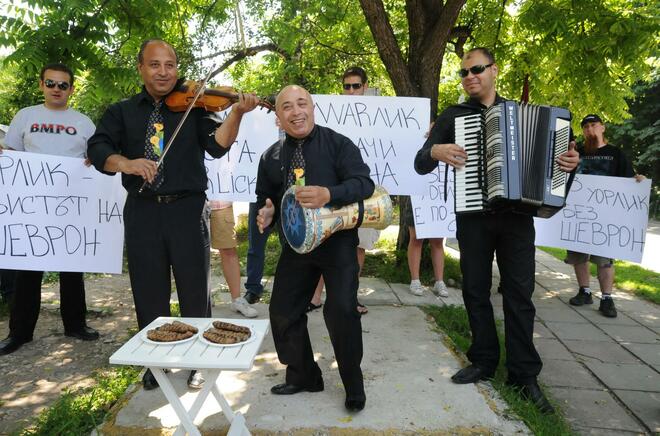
{"points": [[213, 99]]}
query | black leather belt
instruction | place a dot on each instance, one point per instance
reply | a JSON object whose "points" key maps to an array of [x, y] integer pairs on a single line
{"points": [[165, 199]]}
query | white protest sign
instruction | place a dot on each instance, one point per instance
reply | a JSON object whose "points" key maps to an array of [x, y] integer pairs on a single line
{"points": [[56, 214], [233, 177], [606, 216], [435, 217], [388, 131]]}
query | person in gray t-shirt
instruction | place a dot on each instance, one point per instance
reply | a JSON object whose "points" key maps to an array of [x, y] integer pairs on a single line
{"points": [[49, 128]]}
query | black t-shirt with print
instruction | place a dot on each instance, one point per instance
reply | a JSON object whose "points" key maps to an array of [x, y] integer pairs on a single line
{"points": [[608, 160]]}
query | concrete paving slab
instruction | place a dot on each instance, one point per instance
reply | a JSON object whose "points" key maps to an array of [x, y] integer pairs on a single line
{"points": [[542, 332], [374, 291], [561, 314], [591, 313], [629, 303], [649, 353], [546, 277], [567, 373], [645, 405], [455, 297], [556, 285], [498, 312], [594, 409], [589, 351], [567, 330], [552, 349], [547, 300], [625, 333], [407, 372], [578, 429], [649, 319], [638, 377], [402, 292]]}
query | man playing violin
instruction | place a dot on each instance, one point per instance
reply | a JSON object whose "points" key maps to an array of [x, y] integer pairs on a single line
{"points": [[166, 223], [335, 175]]}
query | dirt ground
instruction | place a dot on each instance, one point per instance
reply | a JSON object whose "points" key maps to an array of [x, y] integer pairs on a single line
{"points": [[35, 376]]}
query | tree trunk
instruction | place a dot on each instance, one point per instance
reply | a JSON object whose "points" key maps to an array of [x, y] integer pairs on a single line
{"points": [[430, 25]]}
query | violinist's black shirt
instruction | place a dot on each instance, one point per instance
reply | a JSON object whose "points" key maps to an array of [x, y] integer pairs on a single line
{"points": [[122, 130]]}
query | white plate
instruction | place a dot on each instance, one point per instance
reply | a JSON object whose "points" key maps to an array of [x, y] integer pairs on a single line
{"points": [[207, 342], [149, 341]]}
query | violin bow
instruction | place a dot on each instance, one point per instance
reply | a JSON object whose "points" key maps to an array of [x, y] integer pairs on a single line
{"points": [[199, 92]]}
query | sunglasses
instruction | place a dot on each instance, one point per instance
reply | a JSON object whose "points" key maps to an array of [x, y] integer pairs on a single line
{"points": [[475, 69], [61, 85], [348, 86]]}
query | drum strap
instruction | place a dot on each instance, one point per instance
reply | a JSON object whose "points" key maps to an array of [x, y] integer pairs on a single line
{"points": [[360, 213]]}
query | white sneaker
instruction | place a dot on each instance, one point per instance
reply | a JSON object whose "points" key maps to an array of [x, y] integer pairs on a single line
{"points": [[440, 289], [416, 288], [241, 306]]}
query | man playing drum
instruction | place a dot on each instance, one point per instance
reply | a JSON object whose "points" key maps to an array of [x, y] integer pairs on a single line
{"points": [[334, 174]]}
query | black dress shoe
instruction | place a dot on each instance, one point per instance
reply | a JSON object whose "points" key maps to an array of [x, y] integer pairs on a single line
{"points": [[354, 405], [11, 344], [251, 298], [289, 389], [195, 380], [532, 392], [86, 334], [149, 382], [471, 374]]}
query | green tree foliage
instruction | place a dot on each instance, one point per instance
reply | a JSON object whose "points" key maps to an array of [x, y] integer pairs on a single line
{"points": [[98, 39], [639, 135], [312, 43], [582, 55]]}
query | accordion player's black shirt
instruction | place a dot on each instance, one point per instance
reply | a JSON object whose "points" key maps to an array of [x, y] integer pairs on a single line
{"points": [[443, 131], [331, 160]]}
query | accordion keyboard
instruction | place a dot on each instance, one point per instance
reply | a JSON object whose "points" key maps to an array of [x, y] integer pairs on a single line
{"points": [[468, 194]]}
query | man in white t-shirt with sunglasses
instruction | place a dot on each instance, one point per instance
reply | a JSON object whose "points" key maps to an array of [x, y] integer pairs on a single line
{"points": [[49, 128]]}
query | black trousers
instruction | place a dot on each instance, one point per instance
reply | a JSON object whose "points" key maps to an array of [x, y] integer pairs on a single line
{"points": [[511, 236], [296, 278], [164, 237], [27, 302], [7, 279]]}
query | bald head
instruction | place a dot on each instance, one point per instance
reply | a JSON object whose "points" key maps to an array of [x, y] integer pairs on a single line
{"points": [[286, 92], [295, 110]]}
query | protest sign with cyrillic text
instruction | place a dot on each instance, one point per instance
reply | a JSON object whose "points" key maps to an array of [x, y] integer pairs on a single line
{"points": [[233, 177], [388, 131], [56, 214], [606, 216], [433, 214]]}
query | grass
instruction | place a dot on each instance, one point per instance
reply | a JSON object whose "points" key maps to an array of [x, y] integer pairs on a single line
{"points": [[453, 321], [391, 265], [78, 412], [627, 276]]}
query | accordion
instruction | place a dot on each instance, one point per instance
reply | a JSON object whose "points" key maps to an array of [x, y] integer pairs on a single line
{"points": [[511, 165]]}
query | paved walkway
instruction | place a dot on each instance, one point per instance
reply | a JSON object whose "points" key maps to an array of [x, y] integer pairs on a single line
{"points": [[603, 373], [407, 370]]}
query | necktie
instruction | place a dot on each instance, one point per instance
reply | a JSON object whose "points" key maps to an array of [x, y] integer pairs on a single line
{"points": [[297, 163], [154, 142]]}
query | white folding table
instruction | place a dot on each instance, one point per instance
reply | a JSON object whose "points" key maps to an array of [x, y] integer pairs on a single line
{"points": [[195, 354]]}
